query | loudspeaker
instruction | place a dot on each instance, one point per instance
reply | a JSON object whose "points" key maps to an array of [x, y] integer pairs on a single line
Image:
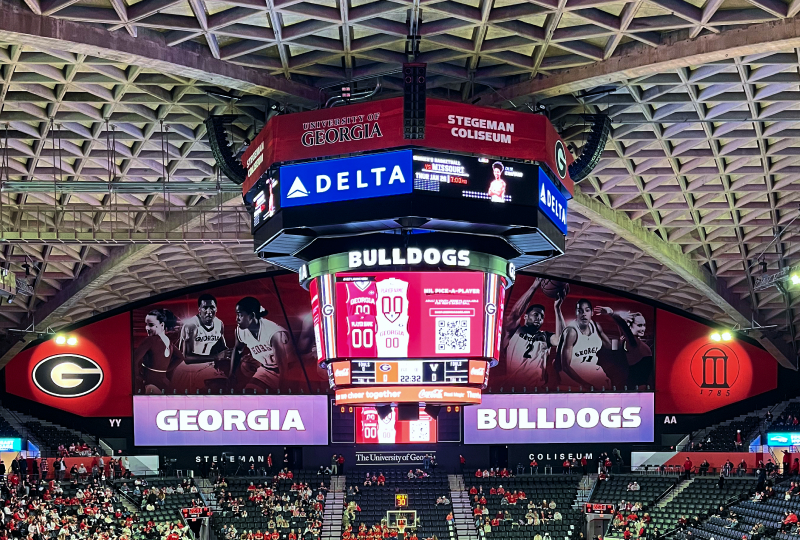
{"points": [[408, 411], [414, 85], [593, 149], [222, 148], [383, 411], [433, 410]]}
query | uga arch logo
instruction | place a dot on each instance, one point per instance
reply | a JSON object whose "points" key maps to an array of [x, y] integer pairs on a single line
{"points": [[715, 366], [67, 375]]}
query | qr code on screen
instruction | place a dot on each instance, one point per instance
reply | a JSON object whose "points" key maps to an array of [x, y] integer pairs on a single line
{"points": [[452, 335]]}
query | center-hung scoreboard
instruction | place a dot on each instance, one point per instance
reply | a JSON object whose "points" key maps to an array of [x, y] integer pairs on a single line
{"points": [[407, 247]]}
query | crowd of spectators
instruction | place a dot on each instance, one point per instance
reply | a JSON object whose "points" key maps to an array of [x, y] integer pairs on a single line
{"points": [[280, 509], [151, 497], [493, 473], [78, 449], [100, 467], [87, 509], [630, 519]]}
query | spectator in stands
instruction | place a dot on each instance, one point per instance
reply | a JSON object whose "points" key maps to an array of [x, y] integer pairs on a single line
{"points": [[742, 468], [795, 469], [534, 466], [789, 521], [687, 468], [566, 465], [381, 480], [721, 481], [634, 486], [704, 467], [462, 462], [727, 468]]}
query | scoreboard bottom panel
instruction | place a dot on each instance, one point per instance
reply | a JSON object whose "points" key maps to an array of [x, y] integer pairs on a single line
{"points": [[408, 372]]}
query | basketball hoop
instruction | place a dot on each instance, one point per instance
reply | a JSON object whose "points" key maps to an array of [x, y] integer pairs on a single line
{"points": [[401, 526]]}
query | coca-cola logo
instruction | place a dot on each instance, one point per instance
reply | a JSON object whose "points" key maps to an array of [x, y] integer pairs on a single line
{"points": [[436, 393], [344, 372], [479, 372]]}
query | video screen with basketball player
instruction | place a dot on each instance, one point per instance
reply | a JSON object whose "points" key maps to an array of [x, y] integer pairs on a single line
{"points": [[254, 336], [455, 176], [560, 335], [372, 429]]}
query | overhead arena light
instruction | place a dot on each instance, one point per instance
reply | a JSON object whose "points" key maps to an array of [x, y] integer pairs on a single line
{"points": [[721, 336]]}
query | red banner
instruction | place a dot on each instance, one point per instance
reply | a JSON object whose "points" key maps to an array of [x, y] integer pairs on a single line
{"points": [[695, 374], [378, 125], [90, 376]]}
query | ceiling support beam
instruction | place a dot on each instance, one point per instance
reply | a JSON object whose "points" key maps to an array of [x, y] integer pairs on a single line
{"points": [[19, 26], [672, 257], [92, 278], [639, 60]]}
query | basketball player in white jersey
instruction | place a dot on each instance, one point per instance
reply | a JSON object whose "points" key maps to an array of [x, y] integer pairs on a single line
{"points": [[271, 352], [202, 343], [386, 429], [392, 318], [526, 345], [580, 344]]}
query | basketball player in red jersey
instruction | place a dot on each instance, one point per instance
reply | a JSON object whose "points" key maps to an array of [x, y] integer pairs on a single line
{"points": [[527, 347], [156, 357], [497, 188]]}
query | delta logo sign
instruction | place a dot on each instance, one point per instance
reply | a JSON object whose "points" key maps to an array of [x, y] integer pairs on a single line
{"points": [[361, 177]]}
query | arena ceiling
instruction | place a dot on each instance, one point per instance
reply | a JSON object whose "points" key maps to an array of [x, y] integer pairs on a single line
{"points": [[110, 193]]}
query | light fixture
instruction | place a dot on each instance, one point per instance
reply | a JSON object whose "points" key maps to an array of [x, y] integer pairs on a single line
{"points": [[72, 340], [716, 337], [60, 340], [726, 336], [795, 279]]}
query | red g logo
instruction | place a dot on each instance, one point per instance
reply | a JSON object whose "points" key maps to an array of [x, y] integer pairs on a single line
{"points": [[715, 365]]}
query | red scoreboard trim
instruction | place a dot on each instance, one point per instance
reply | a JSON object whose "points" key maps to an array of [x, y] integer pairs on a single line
{"points": [[408, 394], [378, 125]]}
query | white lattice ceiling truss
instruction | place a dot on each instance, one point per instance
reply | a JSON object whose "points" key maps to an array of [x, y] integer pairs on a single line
{"points": [[702, 169]]}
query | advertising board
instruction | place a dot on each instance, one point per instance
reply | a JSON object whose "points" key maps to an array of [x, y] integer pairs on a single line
{"points": [[346, 179], [378, 125], [560, 418], [226, 420], [783, 438]]}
